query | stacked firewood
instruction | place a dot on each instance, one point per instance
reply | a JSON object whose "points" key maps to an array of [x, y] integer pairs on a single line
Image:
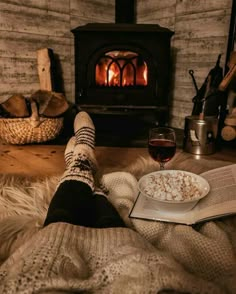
{"points": [[49, 104]]}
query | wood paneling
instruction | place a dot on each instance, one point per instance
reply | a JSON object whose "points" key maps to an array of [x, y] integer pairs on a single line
{"points": [[202, 25], [160, 12], [32, 20], [52, 5], [199, 6], [96, 10]]}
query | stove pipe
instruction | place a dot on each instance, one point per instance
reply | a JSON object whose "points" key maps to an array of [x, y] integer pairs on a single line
{"points": [[125, 11]]}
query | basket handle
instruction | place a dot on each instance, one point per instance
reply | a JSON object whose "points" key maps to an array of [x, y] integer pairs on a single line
{"points": [[35, 120]]}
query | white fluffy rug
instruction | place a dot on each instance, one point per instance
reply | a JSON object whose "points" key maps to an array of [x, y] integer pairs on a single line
{"points": [[23, 207], [24, 202]]}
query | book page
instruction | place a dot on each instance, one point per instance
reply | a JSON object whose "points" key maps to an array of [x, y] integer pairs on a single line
{"points": [[222, 196], [222, 183]]}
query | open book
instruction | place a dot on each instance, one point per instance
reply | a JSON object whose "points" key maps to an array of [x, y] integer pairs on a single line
{"points": [[221, 201]]}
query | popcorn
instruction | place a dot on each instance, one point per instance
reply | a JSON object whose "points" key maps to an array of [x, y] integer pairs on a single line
{"points": [[177, 186]]}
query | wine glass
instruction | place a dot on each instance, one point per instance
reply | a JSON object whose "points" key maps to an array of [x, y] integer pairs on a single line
{"points": [[162, 144]]}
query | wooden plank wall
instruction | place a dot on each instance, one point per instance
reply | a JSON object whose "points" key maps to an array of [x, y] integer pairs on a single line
{"points": [[201, 33], [201, 29], [28, 25]]}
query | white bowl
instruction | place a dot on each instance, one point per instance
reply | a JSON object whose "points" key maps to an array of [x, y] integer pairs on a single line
{"points": [[174, 190]]}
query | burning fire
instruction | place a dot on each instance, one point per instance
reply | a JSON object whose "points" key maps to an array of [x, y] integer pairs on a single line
{"points": [[113, 75], [121, 69]]}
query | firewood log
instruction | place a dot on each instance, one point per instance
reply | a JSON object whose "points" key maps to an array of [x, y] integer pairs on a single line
{"points": [[16, 106], [44, 69], [228, 133], [50, 104]]}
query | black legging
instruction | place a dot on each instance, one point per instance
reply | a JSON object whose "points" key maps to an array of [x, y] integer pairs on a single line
{"points": [[75, 203]]}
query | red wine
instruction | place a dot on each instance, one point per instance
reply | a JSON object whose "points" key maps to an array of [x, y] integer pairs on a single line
{"points": [[161, 150]]}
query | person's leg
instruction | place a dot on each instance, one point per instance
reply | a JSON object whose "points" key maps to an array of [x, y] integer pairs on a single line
{"points": [[73, 200], [106, 216], [76, 200], [72, 203]]}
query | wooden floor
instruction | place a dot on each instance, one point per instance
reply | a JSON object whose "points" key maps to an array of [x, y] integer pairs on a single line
{"points": [[40, 160], [37, 160]]}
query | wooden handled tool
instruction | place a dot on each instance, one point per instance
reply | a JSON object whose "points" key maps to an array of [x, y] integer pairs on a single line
{"points": [[202, 114], [230, 74]]}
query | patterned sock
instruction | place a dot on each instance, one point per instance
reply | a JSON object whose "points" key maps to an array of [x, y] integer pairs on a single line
{"points": [[69, 151], [82, 164], [85, 136], [84, 130]]}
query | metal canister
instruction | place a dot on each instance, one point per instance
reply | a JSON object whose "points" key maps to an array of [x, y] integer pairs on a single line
{"points": [[200, 134]]}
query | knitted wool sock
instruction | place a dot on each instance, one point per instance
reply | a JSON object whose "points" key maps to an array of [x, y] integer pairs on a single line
{"points": [[69, 151], [84, 130], [81, 164]]}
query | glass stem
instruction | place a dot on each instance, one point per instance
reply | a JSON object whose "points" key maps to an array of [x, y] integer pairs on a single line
{"points": [[162, 165]]}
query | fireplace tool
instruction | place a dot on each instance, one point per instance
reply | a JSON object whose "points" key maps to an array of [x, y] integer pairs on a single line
{"points": [[208, 98], [201, 128]]}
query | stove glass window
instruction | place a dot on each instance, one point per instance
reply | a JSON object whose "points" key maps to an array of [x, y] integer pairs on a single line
{"points": [[121, 69]]}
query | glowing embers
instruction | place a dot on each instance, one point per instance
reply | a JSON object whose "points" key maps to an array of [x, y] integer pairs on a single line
{"points": [[121, 69]]}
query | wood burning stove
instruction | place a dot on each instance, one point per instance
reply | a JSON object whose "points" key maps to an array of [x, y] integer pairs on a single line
{"points": [[122, 78]]}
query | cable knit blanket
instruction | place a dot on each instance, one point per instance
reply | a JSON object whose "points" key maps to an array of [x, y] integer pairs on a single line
{"points": [[191, 259]]}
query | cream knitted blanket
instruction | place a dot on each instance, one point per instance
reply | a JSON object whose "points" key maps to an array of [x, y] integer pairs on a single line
{"points": [[150, 257]]}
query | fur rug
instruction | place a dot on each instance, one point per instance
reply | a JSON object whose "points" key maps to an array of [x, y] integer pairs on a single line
{"points": [[24, 202]]}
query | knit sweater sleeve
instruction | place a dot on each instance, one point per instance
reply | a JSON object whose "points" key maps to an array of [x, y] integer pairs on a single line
{"points": [[67, 258]]}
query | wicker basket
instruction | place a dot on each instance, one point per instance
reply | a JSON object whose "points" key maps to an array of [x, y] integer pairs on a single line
{"points": [[33, 129]]}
